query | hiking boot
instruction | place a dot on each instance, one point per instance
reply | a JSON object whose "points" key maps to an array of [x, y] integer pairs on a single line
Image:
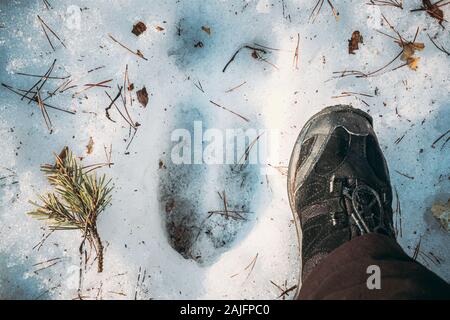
{"points": [[338, 183]]}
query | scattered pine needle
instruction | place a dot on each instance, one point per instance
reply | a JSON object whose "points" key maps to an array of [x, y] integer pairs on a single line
{"points": [[315, 12], [137, 53], [440, 47], [387, 3], [236, 87], [296, 55], [237, 114], [45, 27]]}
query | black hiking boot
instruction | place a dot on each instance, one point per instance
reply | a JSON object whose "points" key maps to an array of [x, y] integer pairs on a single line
{"points": [[338, 183]]}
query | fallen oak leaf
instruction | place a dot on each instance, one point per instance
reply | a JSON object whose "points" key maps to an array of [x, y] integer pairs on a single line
{"points": [[142, 96], [139, 28]]}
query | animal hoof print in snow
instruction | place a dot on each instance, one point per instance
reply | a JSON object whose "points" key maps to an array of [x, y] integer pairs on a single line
{"points": [[205, 208]]}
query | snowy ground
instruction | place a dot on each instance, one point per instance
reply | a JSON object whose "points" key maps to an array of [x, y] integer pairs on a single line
{"points": [[139, 261]]}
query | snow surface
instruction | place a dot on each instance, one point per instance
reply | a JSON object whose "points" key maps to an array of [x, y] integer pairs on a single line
{"points": [[139, 261]]}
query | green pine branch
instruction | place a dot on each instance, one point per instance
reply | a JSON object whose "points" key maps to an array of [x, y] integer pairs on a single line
{"points": [[77, 201]]}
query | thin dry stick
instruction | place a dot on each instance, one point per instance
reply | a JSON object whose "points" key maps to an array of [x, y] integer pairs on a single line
{"points": [[237, 114], [137, 53]]}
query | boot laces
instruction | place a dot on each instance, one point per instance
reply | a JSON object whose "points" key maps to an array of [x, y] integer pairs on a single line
{"points": [[364, 206]]}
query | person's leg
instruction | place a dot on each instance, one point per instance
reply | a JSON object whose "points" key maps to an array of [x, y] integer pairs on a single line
{"points": [[340, 192], [346, 272]]}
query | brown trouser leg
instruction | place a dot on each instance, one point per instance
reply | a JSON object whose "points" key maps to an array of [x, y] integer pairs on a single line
{"points": [[343, 273]]}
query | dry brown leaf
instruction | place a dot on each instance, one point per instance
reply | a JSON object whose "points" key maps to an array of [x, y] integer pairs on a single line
{"points": [[354, 42], [159, 28], [139, 28], [441, 211], [409, 51], [434, 10], [207, 30], [142, 96], [90, 146], [413, 63]]}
